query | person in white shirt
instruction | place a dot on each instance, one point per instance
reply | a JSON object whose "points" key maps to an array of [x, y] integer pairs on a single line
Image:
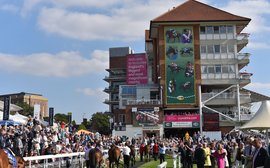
{"points": [[126, 154]]}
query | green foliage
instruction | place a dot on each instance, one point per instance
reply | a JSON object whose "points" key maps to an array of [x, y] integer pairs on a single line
{"points": [[100, 123], [61, 117], [73, 122], [27, 109], [82, 127]]}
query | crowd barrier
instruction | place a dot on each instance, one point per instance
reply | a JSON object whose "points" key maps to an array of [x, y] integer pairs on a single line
{"points": [[61, 157]]}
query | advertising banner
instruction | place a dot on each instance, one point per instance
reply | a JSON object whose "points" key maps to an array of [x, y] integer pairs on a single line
{"points": [[137, 69], [51, 115], [37, 111], [182, 124], [179, 58], [182, 118], [6, 108]]}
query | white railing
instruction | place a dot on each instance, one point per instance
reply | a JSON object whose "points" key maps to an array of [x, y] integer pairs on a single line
{"points": [[54, 157], [242, 56]]}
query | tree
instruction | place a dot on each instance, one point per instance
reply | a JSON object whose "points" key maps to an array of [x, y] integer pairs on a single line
{"points": [[100, 123], [61, 117], [27, 109], [82, 127]]}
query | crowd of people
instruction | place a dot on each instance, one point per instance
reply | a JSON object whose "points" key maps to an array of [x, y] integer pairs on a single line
{"points": [[233, 151]]}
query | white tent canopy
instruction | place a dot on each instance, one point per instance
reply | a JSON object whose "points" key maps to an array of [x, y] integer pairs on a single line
{"points": [[13, 107], [261, 120], [17, 117]]}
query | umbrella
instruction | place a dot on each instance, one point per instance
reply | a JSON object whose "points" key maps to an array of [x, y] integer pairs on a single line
{"points": [[84, 131], [9, 122]]}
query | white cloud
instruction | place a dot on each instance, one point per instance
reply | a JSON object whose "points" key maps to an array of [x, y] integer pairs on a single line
{"points": [[63, 64], [258, 45], [254, 9], [9, 8], [125, 23], [28, 5], [98, 93]]}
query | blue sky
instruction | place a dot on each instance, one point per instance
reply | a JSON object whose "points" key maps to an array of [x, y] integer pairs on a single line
{"points": [[59, 48]]}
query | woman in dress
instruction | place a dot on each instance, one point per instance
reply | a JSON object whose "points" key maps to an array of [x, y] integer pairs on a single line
{"points": [[220, 154], [207, 151]]}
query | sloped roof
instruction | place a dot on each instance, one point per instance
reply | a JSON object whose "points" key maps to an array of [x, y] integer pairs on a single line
{"points": [[192, 11], [256, 97]]}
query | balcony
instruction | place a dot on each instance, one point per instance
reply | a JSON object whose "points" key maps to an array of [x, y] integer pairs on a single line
{"points": [[225, 98], [115, 78], [242, 41], [144, 102], [114, 101], [244, 78], [111, 90], [243, 59]]}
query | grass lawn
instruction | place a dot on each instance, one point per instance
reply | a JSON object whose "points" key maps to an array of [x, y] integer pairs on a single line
{"points": [[153, 164]]}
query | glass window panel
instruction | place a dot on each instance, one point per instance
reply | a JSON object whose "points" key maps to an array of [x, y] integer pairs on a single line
{"points": [[217, 48], [222, 29], [229, 29], [203, 49], [204, 69], [216, 29], [210, 49], [218, 68], [211, 69], [231, 68], [223, 48], [202, 29], [225, 69], [209, 30], [231, 48]]}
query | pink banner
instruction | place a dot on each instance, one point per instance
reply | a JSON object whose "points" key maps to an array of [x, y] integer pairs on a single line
{"points": [[182, 118], [136, 69]]}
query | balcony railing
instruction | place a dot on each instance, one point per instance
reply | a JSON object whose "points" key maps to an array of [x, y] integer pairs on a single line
{"points": [[206, 96], [242, 36], [143, 102], [115, 78], [243, 56], [114, 101], [111, 89], [245, 75]]}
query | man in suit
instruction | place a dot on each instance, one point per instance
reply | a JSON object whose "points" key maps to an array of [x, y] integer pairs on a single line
{"points": [[260, 154], [199, 156]]}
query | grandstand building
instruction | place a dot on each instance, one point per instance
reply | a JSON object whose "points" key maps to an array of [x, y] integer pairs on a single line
{"points": [[189, 79]]}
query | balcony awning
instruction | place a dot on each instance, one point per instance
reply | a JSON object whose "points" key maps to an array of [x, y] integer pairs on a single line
{"points": [[256, 97]]}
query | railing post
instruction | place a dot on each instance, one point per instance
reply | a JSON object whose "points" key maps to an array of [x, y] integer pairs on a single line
{"points": [[30, 165]]}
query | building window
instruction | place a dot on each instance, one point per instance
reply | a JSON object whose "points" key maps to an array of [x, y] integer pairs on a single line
{"points": [[122, 118], [225, 69], [216, 29], [211, 69], [222, 29], [231, 48], [229, 29], [204, 69], [202, 29], [223, 48], [209, 30], [218, 68], [231, 69], [203, 49], [217, 48], [210, 49]]}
